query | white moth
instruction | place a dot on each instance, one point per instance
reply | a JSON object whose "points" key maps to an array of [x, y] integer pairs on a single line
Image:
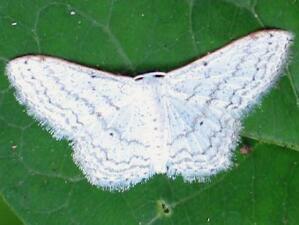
{"points": [[124, 130]]}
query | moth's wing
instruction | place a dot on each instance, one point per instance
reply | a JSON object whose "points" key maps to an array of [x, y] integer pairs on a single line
{"points": [[90, 108], [210, 95], [200, 139], [234, 76]]}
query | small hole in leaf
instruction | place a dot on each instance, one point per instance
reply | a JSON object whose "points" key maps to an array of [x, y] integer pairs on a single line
{"points": [[164, 209]]}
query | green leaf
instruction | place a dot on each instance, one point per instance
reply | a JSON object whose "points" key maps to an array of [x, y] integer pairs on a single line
{"points": [[37, 175], [276, 121], [7, 217]]}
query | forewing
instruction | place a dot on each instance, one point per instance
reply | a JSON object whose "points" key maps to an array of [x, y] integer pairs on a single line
{"points": [[88, 107], [233, 77]]}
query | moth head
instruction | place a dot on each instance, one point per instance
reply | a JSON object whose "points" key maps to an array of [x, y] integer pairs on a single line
{"points": [[149, 77]]}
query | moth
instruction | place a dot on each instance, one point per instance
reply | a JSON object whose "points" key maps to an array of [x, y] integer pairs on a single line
{"points": [[123, 130]]}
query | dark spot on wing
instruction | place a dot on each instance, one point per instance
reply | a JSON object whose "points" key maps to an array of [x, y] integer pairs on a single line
{"points": [[159, 75], [139, 78]]}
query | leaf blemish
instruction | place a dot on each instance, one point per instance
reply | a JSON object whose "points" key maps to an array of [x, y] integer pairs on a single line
{"points": [[163, 208], [245, 150]]}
